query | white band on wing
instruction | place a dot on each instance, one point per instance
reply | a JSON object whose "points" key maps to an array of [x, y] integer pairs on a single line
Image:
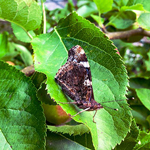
{"points": [[85, 64]]}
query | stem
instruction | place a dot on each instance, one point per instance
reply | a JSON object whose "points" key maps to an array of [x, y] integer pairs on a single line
{"points": [[29, 35], [100, 23], [44, 17]]}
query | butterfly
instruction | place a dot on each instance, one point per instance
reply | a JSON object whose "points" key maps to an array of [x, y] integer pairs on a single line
{"points": [[75, 79]]}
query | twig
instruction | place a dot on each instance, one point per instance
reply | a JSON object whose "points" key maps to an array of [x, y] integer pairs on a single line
{"points": [[127, 34]]}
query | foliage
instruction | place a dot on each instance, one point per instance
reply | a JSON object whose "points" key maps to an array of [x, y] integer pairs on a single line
{"points": [[21, 112]]}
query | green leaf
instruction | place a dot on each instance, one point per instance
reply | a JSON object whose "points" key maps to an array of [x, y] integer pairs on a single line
{"points": [[122, 19], [143, 21], [137, 83], [21, 34], [107, 70], [139, 2], [43, 96], [54, 141], [87, 10], [120, 3], [148, 119], [25, 54], [140, 114], [38, 78], [98, 19], [103, 6], [131, 139], [11, 53], [143, 141], [143, 95], [3, 44], [146, 75], [3, 142], [84, 139], [147, 62], [70, 129], [133, 7], [25, 13], [22, 121]]}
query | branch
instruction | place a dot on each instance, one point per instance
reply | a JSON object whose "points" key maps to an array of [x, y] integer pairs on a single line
{"points": [[127, 34]]}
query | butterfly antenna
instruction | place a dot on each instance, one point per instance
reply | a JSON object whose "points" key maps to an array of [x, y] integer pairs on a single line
{"points": [[116, 109], [67, 102], [113, 101]]}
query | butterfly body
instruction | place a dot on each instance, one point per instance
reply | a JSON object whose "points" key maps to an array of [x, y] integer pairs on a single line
{"points": [[74, 77]]}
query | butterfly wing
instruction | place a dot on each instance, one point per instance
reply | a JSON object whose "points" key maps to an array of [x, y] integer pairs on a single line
{"points": [[75, 79]]}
